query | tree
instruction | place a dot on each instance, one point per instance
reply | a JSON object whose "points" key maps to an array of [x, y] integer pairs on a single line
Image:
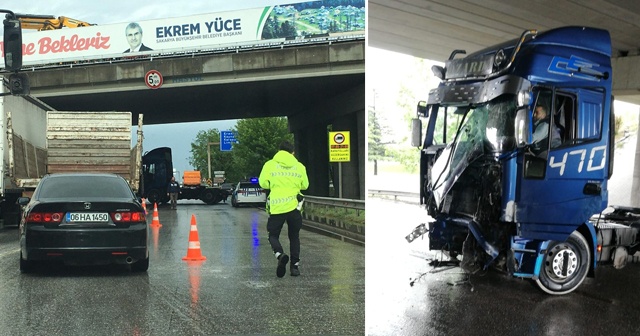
{"points": [[376, 147], [414, 88], [258, 140], [287, 29], [200, 157]]}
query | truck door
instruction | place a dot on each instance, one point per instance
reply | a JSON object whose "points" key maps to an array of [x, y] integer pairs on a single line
{"points": [[563, 185]]}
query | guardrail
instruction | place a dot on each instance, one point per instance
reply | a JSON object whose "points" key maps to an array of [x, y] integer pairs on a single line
{"points": [[403, 196], [338, 217]]}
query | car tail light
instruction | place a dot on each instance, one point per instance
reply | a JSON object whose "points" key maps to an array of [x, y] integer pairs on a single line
{"points": [[44, 217], [128, 217]]}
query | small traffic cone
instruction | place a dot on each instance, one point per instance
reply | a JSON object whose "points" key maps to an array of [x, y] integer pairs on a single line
{"points": [[144, 206], [156, 221], [193, 253]]}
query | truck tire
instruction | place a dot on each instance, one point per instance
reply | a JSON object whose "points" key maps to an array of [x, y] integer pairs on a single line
{"points": [[153, 196], [11, 212], [209, 196], [555, 277]]}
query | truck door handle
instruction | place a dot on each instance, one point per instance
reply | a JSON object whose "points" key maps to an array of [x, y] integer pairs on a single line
{"points": [[592, 189]]}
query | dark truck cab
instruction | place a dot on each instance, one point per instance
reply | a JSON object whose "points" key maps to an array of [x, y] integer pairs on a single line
{"points": [[157, 170]]}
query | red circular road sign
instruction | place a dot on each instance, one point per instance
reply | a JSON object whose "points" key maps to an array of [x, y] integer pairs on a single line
{"points": [[338, 138], [153, 79]]}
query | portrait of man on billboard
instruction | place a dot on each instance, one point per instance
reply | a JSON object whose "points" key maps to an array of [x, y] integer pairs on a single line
{"points": [[133, 32]]}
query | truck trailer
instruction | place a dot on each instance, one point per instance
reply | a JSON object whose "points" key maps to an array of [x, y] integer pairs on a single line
{"points": [[157, 170], [39, 141], [22, 144], [500, 199]]}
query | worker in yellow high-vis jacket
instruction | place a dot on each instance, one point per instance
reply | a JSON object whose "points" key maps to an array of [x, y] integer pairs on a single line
{"points": [[284, 176]]}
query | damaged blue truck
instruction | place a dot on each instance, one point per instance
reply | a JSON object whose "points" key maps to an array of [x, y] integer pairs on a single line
{"points": [[499, 200]]}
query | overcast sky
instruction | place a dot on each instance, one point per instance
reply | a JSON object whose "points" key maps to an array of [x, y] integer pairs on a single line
{"points": [[176, 136]]}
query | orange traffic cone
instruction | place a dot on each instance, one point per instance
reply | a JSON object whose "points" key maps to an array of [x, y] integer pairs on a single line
{"points": [[144, 206], [193, 253], [156, 221]]}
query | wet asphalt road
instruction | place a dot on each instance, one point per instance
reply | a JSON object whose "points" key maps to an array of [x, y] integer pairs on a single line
{"points": [[450, 303], [234, 291]]}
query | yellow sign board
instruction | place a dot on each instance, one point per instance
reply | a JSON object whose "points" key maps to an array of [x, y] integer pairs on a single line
{"points": [[339, 147]]}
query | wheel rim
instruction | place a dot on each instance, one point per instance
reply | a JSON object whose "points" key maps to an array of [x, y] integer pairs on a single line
{"points": [[208, 196], [562, 263]]}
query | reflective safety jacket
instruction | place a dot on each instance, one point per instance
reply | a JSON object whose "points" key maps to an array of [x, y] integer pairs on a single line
{"points": [[284, 176]]}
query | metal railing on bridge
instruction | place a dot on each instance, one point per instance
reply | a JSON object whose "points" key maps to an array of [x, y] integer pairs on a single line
{"points": [[189, 52], [339, 217], [402, 196]]}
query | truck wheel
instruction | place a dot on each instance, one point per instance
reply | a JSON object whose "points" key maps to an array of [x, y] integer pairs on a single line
{"points": [[153, 196], [565, 265], [209, 197], [11, 212]]}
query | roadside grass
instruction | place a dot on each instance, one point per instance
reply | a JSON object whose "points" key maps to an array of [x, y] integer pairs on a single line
{"points": [[336, 215]]}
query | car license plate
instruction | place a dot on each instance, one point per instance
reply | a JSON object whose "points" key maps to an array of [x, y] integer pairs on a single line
{"points": [[87, 217]]}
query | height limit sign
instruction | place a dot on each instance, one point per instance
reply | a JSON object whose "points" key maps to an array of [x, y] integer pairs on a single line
{"points": [[339, 147], [153, 79]]}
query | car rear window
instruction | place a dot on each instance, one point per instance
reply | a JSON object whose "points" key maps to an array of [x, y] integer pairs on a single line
{"points": [[84, 186], [249, 185]]}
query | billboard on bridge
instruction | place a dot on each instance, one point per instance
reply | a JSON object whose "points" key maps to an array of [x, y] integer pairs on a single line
{"points": [[296, 21]]}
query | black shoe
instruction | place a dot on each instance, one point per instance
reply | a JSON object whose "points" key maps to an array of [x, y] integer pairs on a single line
{"points": [[294, 270], [283, 259]]}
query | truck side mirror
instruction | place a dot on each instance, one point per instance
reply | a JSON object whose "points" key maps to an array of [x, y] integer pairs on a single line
{"points": [[422, 109], [416, 132], [12, 43]]}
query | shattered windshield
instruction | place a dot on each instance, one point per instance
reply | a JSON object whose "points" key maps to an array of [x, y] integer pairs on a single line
{"points": [[487, 129]]}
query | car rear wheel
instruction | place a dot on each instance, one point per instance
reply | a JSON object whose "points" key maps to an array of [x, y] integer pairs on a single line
{"points": [[565, 265], [26, 266], [141, 265]]}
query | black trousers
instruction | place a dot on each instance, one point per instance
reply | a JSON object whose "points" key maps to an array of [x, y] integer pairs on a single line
{"points": [[294, 224]]}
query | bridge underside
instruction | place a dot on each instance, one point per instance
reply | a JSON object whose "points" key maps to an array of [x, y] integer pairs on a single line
{"points": [[268, 98], [432, 29]]}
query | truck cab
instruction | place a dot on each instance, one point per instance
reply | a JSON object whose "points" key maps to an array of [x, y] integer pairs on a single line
{"points": [[498, 195], [157, 170]]}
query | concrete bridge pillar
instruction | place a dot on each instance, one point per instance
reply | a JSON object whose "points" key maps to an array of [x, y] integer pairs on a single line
{"points": [[353, 171], [344, 112], [312, 149]]}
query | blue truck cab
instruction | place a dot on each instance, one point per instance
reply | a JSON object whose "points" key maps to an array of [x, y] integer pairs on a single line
{"points": [[507, 189]]}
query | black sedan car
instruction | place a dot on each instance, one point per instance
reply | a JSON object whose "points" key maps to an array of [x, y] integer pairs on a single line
{"points": [[83, 218]]}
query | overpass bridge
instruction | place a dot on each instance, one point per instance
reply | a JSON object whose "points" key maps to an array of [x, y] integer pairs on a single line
{"points": [[432, 29], [314, 83]]}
